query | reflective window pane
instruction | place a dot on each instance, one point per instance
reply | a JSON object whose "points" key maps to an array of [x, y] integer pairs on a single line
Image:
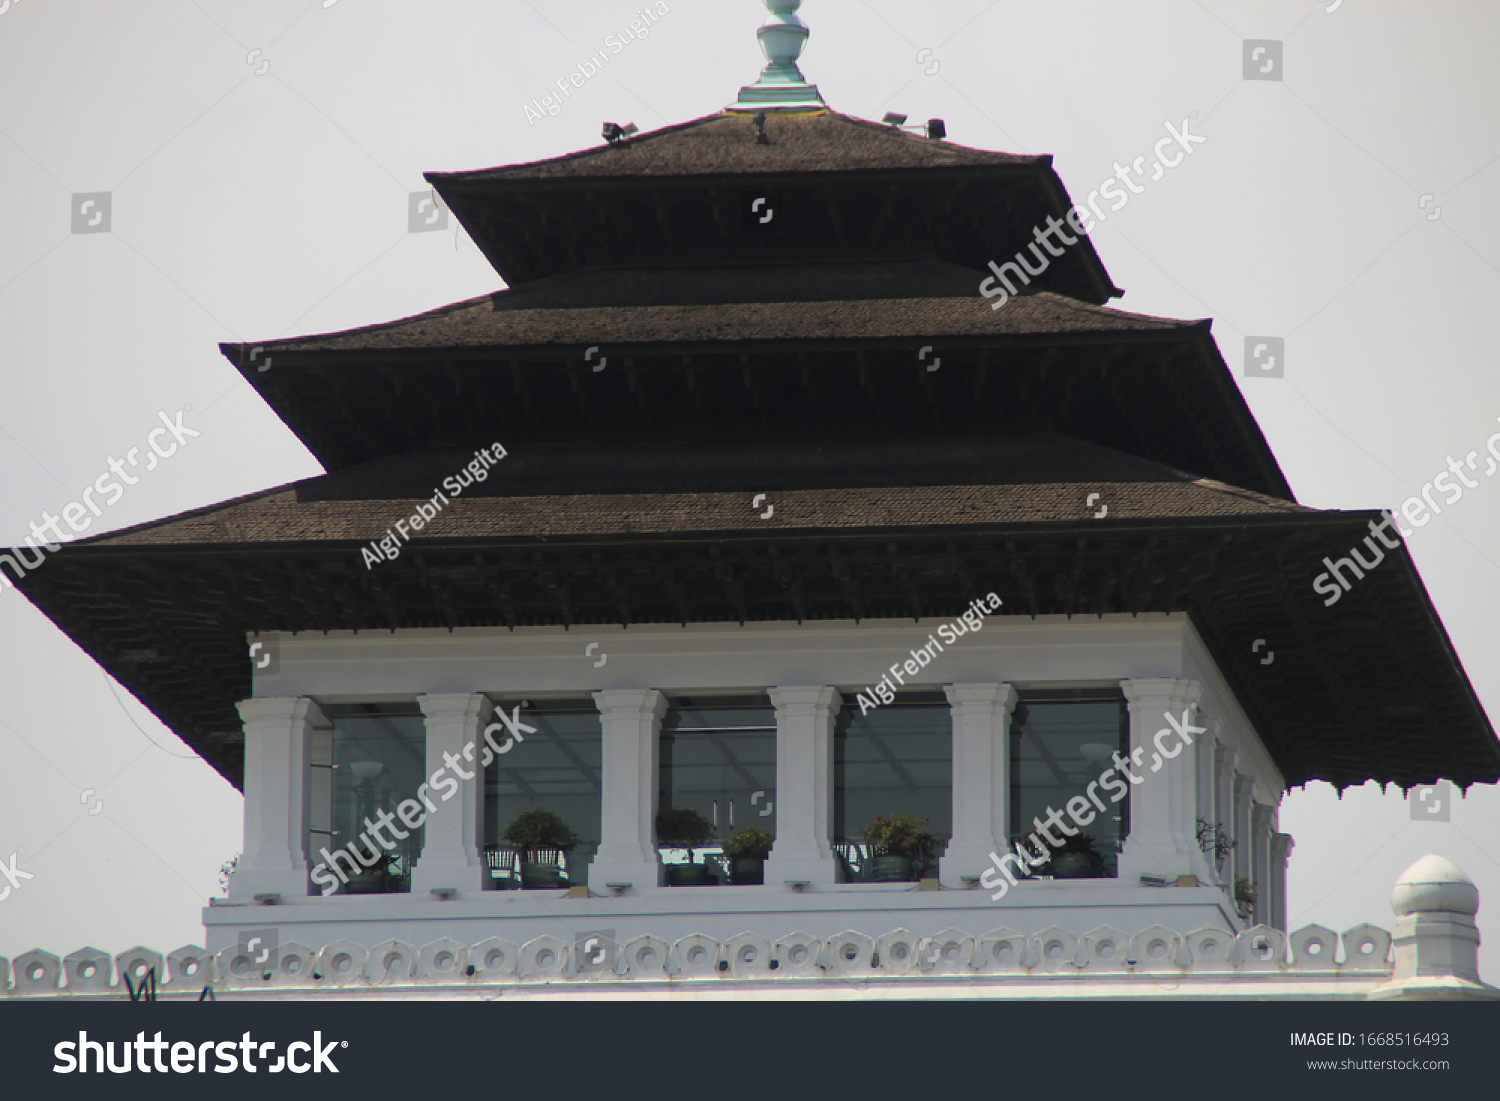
{"points": [[362, 770], [718, 757], [897, 759], [559, 768], [1061, 742]]}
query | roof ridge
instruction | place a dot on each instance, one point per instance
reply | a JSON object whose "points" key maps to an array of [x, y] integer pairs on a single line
{"points": [[591, 151]]}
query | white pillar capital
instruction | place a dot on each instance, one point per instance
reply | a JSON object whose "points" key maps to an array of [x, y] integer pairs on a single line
{"points": [[804, 785], [805, 701], [274, 860], [1161, 692], [981, 778], [455, 706]]}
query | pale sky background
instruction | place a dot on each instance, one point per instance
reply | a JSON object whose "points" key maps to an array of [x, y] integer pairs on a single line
{"points": [[254, 205]]}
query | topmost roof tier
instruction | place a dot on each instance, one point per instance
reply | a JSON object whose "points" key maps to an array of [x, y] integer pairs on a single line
{"points": [[822, 186]]}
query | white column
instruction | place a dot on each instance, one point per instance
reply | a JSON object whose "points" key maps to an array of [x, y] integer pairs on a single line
{"points": [[1244, 788], [804, 785], [1205, 760], [981, 779], [631, 723], [1260, 874], [277, 734], [453, 833], [1225, 759], [1281, 850], [1162, 840]]}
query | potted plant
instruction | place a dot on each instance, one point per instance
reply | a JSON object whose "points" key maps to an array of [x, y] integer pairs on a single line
{"points": [[684, 828], [226, 872], [1213, 840], [542, 838], [901, 844], [1244, 896], [747, 851], [376, 879], [1077, 858]]}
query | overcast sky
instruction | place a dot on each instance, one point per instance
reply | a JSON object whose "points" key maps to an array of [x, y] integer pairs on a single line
{"points": [[1348, 209]]}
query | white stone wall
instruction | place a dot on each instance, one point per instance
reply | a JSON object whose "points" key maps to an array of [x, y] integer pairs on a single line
{"points": [[1158, 659]]}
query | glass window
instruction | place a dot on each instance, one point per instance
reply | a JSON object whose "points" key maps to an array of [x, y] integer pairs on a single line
{"points": [[557, 769], [362, 770], [1061, 742], [896, 759], [718, 757]]}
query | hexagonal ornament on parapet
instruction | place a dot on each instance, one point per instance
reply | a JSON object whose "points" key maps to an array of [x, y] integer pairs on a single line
{"points": [[1209, 949], [1106, 949], [644, 957], [950, 952], [749, 955], [1156, 948], [494, 960], [1313, 948], [138, 963], [848, 954], [1260, 948], [543, 959], [1000, 951], [389, 962], [797, 954], [443, 961], [37, 972], [1366, 948], [238, 970], [1053, 949], [294, 965], [695, 956], [89, 971], [190, 967], [896, 952], [342, 963]]}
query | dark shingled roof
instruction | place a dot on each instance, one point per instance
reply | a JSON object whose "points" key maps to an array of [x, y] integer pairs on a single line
{"points": [[725, 145], [486, 321], [661, 490]]}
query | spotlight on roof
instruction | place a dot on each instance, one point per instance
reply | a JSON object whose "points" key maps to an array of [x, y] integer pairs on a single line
{"points": [[893, 119], [760, 129], [937, 129], [613, 131]]}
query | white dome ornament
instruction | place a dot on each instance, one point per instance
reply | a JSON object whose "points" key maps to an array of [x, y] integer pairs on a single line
{"points": [[1436, 941], [781, 87]]}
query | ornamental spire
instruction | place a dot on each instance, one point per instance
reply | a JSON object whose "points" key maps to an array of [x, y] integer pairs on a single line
{"points": [[781, 86]]}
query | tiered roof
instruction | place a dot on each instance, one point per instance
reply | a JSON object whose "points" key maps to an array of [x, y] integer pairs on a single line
{"points": [[659, 358]]}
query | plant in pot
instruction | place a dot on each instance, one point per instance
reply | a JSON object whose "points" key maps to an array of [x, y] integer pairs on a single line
{"points": [[684, 828], [542, 838], [376, 879], [1214, 840], [747, 851], [902, 847], [1077, 858], [1244, 896]]}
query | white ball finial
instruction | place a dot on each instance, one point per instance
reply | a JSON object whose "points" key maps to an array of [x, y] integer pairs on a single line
{"points": [[1434, 885]]}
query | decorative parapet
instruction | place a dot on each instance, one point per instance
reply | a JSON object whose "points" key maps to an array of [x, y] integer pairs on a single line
{"points": [[1106, 954], [1431, 956]]}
